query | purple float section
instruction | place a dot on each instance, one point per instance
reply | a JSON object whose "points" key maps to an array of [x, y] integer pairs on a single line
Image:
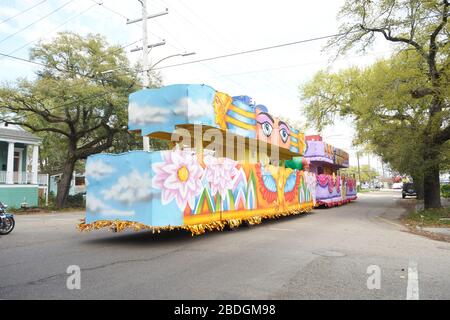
{"points": [[322, 194], [316, 152]]}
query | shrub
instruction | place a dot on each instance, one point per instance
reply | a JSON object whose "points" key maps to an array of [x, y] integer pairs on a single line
{"points": [[76, 201], [445, 190]]}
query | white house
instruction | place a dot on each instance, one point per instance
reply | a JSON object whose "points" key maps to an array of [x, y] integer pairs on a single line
{"points": [[20, 182]]}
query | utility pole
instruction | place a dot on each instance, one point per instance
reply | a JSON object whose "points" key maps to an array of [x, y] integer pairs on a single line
{"points": [[359, 168], [145, 51]]}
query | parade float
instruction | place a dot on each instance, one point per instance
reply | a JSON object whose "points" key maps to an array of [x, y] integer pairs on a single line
{"points": [[229, 162], [325, 161]]}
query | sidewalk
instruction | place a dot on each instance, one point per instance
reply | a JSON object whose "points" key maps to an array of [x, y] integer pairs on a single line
{"points": [[440, 232]]}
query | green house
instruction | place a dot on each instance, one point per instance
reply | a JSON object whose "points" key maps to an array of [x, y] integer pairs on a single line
{"points": [[20, 182]]}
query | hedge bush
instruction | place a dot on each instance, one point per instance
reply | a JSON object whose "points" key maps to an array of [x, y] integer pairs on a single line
{"points": [[445, 190]]}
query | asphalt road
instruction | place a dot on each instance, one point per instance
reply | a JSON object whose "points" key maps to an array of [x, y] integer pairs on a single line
{"points": [[323, 255]]}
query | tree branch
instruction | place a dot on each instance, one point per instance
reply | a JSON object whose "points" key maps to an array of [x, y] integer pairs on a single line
{"points": [[93, 147], [386, 32], [443, 136], [35, 129]]}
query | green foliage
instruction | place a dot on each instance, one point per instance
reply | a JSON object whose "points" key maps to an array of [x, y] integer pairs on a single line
{"points": [[386, 117], [367, 173], [158, 144], [76, 201], [400, 106], [73, 104], [445, 190], [431, 217], [404, 22]]}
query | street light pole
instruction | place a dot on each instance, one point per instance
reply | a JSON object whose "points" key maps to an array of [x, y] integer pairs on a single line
{"points": [[171, 56], [153, 66]]}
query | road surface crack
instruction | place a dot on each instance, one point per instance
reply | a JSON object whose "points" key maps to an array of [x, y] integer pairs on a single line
{"points": [[102, 266]]}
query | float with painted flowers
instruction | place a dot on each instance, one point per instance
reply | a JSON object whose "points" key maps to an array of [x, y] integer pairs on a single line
{"points": [[229, 162]]}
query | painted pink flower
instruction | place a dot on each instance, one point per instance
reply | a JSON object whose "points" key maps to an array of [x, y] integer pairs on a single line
{"points": [[179, 178], [219, 173]]}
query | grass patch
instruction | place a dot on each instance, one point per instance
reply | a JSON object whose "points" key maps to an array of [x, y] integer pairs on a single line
{"points": [[44, 210], [430, 217]]}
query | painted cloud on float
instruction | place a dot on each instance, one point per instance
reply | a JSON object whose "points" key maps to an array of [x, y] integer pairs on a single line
{"points": [[135, 187], [97, 206], [98, 169]]}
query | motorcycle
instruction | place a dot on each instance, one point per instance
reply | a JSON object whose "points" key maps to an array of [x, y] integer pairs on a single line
{"points": [[7, 222]]}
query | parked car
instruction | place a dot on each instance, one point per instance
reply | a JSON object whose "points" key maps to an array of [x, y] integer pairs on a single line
{"points": [[365, 186], [397, 186], [408, 190]]}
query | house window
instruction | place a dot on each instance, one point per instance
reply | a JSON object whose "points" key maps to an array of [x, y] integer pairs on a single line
{"points": [[79, 181], [17, 161]]}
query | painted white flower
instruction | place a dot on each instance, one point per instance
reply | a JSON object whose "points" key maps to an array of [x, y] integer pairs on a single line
{"points": [[219, 173], [178, 178]]}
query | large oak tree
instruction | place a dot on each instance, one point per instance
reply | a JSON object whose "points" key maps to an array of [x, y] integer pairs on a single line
{"points": [[77, 107], [421, 31]]}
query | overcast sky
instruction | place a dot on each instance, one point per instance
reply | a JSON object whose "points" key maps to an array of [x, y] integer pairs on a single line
{"points": [[209, 28]]}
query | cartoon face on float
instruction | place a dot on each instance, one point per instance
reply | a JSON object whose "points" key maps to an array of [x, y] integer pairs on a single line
{"points": [[272, 130], [284, 131]]}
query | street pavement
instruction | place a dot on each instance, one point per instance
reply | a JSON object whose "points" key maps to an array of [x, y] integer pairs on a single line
{"points": [[329, 254]]}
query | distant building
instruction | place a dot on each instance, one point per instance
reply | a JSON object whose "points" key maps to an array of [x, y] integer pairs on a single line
{"points": [[445, 177], [20, 182], [77, 184]]}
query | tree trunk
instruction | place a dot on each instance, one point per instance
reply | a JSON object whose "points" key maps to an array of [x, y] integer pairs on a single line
{"points": [[64, 184], [432, 188], [420, 191], [418, 185]]}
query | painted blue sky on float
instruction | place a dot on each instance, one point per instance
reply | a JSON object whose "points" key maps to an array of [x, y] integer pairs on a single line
{"points": [[120, 188], [153, 110]]}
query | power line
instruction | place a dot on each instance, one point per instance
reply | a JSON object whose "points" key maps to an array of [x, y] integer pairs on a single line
{"points": [[111, 10], [253, 50], [210, 35], [36, 21], [44, 65], [269, 78], [22, 12], [59, 26], [191, 62], [292, 66], [21, 59], [121, 15], [267, 48]]}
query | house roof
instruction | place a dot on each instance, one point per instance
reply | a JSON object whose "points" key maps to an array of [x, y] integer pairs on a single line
{"points": [[22, 136]]}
